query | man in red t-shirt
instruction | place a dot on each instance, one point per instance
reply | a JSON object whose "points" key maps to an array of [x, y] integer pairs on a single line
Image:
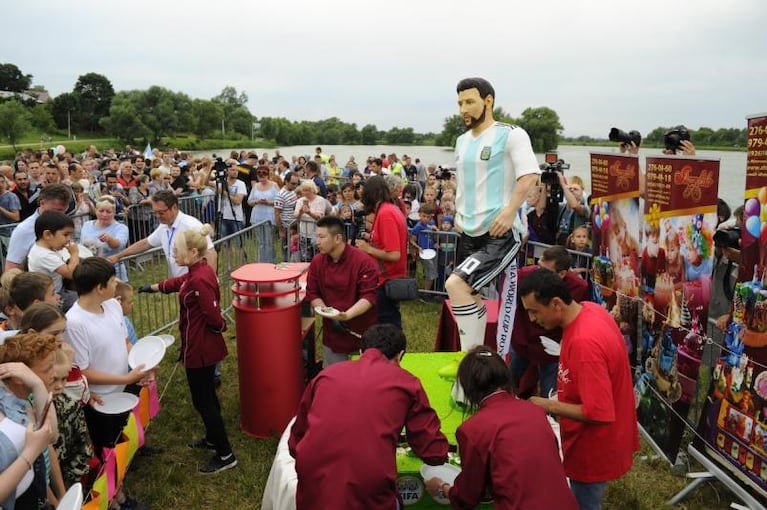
{"points": [[387, 244], [595, 397]]}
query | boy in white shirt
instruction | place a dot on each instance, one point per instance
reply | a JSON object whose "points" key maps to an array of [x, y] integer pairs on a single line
{"points": [[53, 231]]}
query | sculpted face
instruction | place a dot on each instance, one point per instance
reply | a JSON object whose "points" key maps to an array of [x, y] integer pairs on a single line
{"points": [[472, 108]]}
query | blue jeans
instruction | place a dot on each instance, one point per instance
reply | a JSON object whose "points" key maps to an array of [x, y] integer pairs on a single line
{"points": [[588, 495], [547, 375], [387, 309]]}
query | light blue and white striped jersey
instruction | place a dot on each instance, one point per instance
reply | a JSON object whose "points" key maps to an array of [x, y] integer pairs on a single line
{"points": [[487, 168]]}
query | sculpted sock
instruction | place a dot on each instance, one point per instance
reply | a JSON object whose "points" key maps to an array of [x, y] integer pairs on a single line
{"points": [[471, 320]]}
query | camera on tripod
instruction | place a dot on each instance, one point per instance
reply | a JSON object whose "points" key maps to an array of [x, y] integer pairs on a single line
{"points": [[550, 171], [219, 169]]}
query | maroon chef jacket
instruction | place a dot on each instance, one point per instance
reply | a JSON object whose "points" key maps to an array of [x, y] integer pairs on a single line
{"points": [[345, 435], [509, 452], [200, 318], [340, 285]]}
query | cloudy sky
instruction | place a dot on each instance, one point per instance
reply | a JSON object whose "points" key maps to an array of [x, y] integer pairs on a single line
{"points": [[597, 63]]}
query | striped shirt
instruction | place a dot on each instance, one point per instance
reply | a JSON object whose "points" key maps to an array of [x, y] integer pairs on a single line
{"points": [[286, 203], [487, 168]]}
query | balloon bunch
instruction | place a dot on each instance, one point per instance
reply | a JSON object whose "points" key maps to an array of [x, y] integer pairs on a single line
{"points": [[755, 215], [601, 216], [58, 150]]}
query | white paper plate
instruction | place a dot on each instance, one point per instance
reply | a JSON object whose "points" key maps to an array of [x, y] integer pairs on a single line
{"points": [[84, 251], [168, 339], [148, 351], [116, 403], [329, 312], [447, 472], [428, 254], [73, 499]]}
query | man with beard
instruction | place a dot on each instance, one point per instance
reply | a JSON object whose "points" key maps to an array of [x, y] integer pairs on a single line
{"points": [[26, 202], [495, 166]]}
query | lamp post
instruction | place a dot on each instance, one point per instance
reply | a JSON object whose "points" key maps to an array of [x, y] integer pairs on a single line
{"points": [[69, 126]]}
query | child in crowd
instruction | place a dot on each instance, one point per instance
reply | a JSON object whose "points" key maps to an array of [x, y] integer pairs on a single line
{"points": [[347, 216], [27, 289], [10, 316], [73, 447], [53, 231], [295, 255], [96, 331], [446, 251], [124, 294], [421, 240], [430, 197], [578, 241]]}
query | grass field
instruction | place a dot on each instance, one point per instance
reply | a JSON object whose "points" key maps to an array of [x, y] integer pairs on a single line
{"points": [[170, 479]]}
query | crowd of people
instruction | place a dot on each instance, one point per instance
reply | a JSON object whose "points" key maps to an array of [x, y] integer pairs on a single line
{"points": [[362, 228]]}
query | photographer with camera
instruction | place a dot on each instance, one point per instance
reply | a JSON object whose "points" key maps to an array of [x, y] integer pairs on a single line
{"points": [[629, 142], [725, 273], [232, 192], [573, 210], [677, 140]]}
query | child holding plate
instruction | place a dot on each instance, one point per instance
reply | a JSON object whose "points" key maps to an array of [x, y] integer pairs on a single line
{"points": [[202, 344]]}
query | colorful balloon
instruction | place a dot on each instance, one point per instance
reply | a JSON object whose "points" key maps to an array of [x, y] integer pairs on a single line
{"points": [[752, 207], [763, 215], [598, 222], [763, 195], [753, 226]]}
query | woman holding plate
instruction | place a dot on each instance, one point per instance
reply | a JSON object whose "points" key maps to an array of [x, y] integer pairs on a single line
{"points": [[104, 236], [202, 344]]}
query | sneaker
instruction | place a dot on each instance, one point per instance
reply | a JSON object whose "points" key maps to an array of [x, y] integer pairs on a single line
{"points": [[201, 444], [217, 464]]}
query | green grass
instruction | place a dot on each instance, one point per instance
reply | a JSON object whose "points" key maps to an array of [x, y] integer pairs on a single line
{"points": [[170, 479]]}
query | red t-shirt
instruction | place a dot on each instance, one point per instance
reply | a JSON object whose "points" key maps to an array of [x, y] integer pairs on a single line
{"points": [[390, 234], [594, 373]]}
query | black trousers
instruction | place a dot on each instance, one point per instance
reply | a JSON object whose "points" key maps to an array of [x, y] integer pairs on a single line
{"points": [[106, 429], [203, 389]]}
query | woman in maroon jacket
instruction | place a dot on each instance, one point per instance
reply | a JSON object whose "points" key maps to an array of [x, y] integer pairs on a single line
{"points": [[508, 451], [202, 345]]}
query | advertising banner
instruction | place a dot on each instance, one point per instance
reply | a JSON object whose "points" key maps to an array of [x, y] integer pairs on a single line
{"points": [[734, 423], [615, 240], [677, 261]]}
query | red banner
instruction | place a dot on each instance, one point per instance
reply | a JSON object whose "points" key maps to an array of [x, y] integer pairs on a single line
{"points": [[677, 261], [615, 240]]}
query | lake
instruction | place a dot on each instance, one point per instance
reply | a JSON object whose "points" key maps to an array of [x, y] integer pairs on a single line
{"points": [[732, 174]]}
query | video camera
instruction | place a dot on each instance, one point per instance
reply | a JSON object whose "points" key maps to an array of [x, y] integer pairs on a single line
{"points": [[550, 171], [617, 135], [359, 224], [673, 137], [219, 168]]}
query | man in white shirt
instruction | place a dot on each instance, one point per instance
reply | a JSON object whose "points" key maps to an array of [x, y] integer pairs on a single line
{"points": [[230, 207], [172, 222]]}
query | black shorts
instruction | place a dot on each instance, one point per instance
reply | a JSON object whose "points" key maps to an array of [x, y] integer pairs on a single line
{"points": [[485, 257]]}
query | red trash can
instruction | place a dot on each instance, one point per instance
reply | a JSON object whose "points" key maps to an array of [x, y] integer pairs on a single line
{"points": [[267, 302]]}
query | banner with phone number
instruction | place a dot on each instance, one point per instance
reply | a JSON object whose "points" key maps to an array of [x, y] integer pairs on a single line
{"points": [[615, 240], [734, 423]]}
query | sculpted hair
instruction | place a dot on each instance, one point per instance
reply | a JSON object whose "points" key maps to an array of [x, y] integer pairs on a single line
{"points": [[55, 192], [482, 372], [387, 338], [39, 316], [167, 197], [334, 224], [544, 285], [27, 348], [559, 256], [482, 85], [92, 272], [29, 287]]}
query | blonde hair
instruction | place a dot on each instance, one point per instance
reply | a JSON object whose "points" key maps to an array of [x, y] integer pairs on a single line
{"points": [[193, 239], [154, 173], [8, 276], [307, 185], [571, 237], [123, 289], [107, 199], [575, 179]]}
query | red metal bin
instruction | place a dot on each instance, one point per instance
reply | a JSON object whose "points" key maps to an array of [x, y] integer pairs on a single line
{"points": [[267, 302]]}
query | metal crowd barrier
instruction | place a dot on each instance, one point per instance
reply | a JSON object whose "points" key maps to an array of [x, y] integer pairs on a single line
{"points": [[154, 313]]}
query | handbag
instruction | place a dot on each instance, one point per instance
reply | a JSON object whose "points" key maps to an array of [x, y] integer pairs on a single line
{"points": [[401, 289]]}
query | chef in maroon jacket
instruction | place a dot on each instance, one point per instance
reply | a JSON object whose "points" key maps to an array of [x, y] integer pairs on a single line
{"points": [[345, 435]]}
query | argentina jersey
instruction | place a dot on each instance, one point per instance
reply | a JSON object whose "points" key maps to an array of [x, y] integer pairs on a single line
{"points": [[487, 168]]}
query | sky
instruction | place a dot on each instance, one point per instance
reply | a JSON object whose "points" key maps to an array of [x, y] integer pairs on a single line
{"points": [[395, 63]]}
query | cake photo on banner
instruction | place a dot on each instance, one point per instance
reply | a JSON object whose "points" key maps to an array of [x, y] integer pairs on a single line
{"points": [[615, 240], [677, 261], [734, 423]]}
